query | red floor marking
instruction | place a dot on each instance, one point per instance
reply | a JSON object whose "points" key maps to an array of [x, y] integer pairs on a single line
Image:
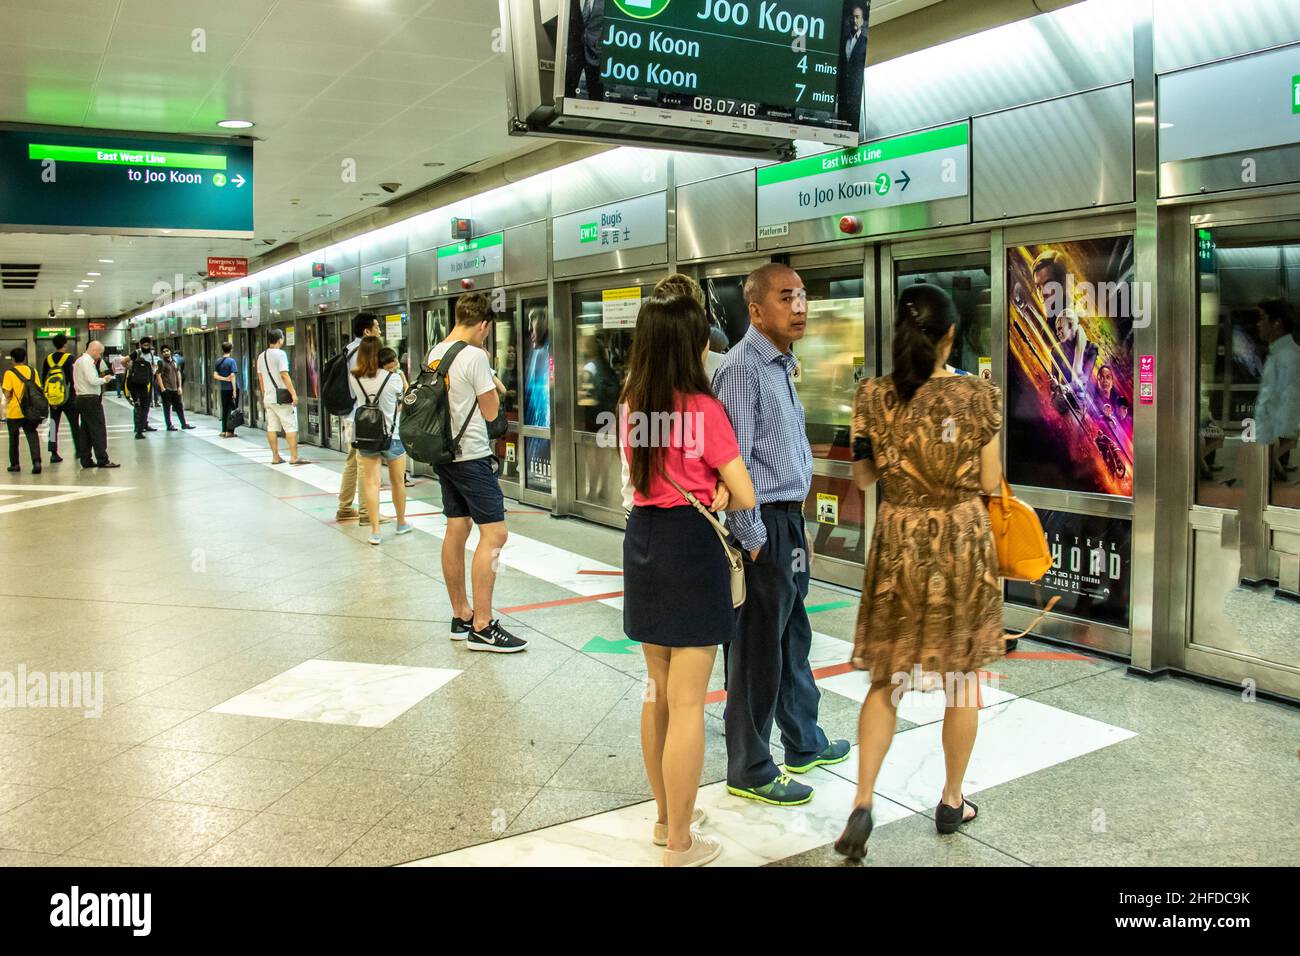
{"points": [[717, 695], [1050, 656], [610, 573], [573, 600]]}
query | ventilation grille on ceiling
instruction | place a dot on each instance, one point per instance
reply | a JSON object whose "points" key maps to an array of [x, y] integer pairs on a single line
{"points": [[18, 275]]}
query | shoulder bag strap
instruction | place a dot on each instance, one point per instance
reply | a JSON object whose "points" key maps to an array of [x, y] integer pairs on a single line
{"points": [[363, 388], [445, 371]]}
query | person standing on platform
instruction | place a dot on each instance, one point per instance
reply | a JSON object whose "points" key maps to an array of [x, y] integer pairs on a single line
{"points": [[224, 372], [89, 378], [931, 594], [17, 380], [471, 492], [60, 392], [139, 386], [382, 387], [118, 364], [768, 674], [364, 325], [168, 381], [281, 416], [670, 548]]}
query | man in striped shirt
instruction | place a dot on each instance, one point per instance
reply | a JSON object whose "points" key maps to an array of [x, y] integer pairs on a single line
{"points": [[768, 674]]}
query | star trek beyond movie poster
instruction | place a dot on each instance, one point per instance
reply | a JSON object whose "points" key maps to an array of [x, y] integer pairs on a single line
{"points": [[1070, 365], [1090, 568]]}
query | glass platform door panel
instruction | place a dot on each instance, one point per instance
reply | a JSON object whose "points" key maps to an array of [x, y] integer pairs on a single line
{"points": [[1246, 518], [831, 361], [503, 352], [601, 351]]}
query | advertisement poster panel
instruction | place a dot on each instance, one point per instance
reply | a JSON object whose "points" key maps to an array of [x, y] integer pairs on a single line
{"points": [[1090, 568], [1069, 402]]}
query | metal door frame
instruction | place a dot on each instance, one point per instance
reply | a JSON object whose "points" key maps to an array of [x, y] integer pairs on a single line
{"points": [[1254, 522], [565, 437]]}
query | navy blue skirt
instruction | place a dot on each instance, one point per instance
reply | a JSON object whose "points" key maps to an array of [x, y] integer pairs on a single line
{"points": [[676, 583]]}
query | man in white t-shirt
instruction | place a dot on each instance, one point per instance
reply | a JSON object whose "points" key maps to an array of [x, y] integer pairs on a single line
{"points": [[471, 493], [273, 373]]}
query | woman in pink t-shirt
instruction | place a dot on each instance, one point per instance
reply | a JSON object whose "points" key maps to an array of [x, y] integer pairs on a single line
{"points": [[676, 581]]}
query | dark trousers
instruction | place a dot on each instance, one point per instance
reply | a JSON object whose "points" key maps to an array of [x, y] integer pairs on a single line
{"points": [[227, 406], [141, 399], [74, 426], [768, 675], [94, 430], [28, 428], [172, 400]]}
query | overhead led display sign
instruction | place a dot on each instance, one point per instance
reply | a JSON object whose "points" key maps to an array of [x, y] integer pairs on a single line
{"points": [[63, 180], [747, 76]]}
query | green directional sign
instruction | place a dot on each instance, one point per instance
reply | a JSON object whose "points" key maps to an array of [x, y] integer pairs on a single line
{"points": [[901, 170], [65, 180], [1295, 94]]}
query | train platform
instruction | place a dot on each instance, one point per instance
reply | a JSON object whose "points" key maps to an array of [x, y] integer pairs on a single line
{"points": [[259, 686]]}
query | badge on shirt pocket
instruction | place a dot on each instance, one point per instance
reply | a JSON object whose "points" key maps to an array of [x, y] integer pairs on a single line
{"points": [[796, 374]]}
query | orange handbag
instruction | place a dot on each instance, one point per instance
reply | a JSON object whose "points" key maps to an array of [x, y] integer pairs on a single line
{"points": [[1018, 535]]}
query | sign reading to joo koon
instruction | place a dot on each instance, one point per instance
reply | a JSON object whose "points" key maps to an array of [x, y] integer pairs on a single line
{"points": [[917, 167], [71, 181], [474, 257]]}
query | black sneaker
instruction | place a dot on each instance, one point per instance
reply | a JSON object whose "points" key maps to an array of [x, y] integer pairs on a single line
{"points": [[55, 459], [497, 639], [461, 628], [150, 428]]}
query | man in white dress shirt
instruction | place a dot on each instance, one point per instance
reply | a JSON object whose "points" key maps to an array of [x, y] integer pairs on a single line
{"points": [[88, 379]]}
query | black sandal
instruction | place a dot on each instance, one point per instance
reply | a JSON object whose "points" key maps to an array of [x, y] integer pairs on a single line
{"points": [[853, 841], [947, 819]]}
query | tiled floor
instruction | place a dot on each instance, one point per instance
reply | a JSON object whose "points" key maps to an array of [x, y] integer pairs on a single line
{"points": [[277, 691]]}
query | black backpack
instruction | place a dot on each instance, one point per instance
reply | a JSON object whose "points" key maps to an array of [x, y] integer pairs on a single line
{"points": [[335, 393], [141, 373], [33, 403], [369, 426], [425, 425]]}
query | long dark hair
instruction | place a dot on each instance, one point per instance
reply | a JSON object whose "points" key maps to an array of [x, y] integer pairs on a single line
{"points": [[665, 366], [367, 360], [925, 314]]}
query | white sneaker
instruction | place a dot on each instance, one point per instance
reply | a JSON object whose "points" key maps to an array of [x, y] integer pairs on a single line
{"points": [[660, 837], [702, 852]]}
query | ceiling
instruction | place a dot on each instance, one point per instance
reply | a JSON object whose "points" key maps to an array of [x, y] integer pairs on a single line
{"points": [[391, 84], [394, 85]]}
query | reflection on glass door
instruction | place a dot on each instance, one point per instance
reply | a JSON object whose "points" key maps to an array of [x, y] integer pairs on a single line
{"points": [[967, 279], [601, 350], [831, 360], [539, 376], [503, 352], [1247, 571]]}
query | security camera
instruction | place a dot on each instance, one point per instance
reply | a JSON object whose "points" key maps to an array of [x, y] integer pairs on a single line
{"points": [[50, 313], [390, 187]]}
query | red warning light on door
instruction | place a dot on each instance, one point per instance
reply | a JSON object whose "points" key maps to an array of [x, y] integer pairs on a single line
{"points": [[467, 283], [850, 225]]}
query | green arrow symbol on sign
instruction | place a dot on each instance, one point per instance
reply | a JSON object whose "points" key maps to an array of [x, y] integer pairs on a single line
{"points": [[598, 645]]}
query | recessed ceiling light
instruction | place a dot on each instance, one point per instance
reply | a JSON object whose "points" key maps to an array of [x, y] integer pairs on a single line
{"points": [[92, 273], [235, 124], [105, 260]]}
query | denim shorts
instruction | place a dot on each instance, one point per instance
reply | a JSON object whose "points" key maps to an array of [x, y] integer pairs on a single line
{"points": [[470, 489], [395, 451]]}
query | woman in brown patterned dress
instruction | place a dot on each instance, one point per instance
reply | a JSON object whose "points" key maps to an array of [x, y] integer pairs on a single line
{"points": [[931, 598]]}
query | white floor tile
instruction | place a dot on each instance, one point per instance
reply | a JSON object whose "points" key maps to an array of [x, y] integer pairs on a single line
{"points": [[1015, 739], [340, 692], [751, 833]]}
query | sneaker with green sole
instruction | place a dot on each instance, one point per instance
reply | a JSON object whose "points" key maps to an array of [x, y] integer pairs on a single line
{"points": [[781, 792], [837, 751]]}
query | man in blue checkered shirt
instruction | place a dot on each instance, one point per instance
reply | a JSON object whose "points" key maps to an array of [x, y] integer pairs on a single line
{"points": [[768, 674]]}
